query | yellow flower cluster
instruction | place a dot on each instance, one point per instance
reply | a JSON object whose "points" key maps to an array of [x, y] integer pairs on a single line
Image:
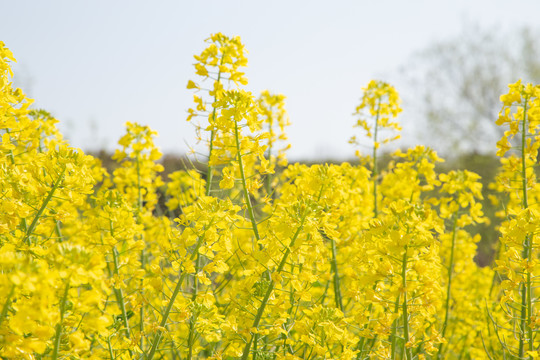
{"points": [[380, 101], [256, 258]]}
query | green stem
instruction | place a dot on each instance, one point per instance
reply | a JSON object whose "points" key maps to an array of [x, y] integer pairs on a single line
{"points": [[11, 156], [337, 288], [34, 223], [120, 295], [191, 336], [449, 286], [393, 335], [208, 187], [12, 159], [5, 308], [109, 346], [260, 311], [141, 311], [59, 231], [523, 157], [59, 326], [529, 301], [165, 317], [139, 194], [255, 341], [209, 168], [244, 185], [169, 307], [375, 168], [526, 296], [405, 309], [268, 179], [495, 274], [139, 211]]}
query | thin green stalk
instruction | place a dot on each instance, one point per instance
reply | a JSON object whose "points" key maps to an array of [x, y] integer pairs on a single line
{"points": [[120, 295], [264, 302], [34, 223], [208, 187], [141, 310], [111, 354], [11, 156], [244, 186], [362, 342], [59, 326], [209, 168], [12, 159], [529, 302], [337, 289], [5, 308], [526, 296], [449, 286], [139, 193], [59, 231], [523, 157], [165, 316], [284, 337], [191, 336], [139, 210], [268, 179], [375, 168], [495, 274], [405, 310], [393, 334]]}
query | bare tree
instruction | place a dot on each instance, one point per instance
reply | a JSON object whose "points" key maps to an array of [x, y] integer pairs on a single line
{"points": [[456, 84]]}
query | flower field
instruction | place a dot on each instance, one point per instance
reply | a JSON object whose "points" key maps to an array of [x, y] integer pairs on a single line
{"points": [[256, 258]]}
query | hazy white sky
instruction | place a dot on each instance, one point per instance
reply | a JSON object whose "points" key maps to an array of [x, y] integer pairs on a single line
{"points": [[97, 64]]}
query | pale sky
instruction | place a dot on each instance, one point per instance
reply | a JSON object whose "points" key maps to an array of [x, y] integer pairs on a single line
{"points": [[97, 64]]}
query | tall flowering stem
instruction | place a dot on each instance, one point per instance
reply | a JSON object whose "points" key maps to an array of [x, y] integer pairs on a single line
{"points": [[449, 285], [218, 66], [247, 199], [275, 119], [380, 102], [521, 111], [459, 207]]}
